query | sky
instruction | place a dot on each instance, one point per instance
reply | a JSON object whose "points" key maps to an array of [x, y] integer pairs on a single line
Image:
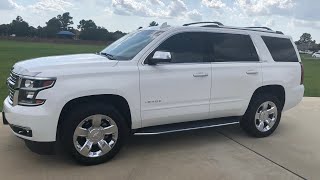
{"points": [[293, 17]]}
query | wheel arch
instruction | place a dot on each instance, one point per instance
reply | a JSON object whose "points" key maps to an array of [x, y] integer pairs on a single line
{"points": [[120, 103], [274, 89]]}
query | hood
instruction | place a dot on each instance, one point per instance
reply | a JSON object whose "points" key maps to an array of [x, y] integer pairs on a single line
{"points": [[55, 65]]}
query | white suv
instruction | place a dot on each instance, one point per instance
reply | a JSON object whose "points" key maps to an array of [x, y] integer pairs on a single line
{"points": [[153, 81]]}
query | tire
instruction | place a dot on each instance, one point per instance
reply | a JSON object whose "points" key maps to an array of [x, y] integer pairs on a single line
{"points": [[92, 144], [258, 124]]}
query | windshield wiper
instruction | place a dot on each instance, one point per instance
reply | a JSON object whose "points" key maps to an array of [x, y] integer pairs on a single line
{"points": [[109, 56]]}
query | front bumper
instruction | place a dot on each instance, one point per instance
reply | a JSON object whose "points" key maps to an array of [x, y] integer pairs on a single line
{"points": [[36, 123]]}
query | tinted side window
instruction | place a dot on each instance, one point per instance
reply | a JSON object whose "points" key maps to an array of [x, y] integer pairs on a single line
{"points": [[187, 47], [281, 49], [233, 47]]}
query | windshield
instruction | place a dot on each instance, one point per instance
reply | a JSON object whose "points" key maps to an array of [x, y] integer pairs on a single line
{"points": [[130, 45]]}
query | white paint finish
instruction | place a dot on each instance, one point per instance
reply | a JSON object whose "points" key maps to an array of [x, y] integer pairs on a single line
{"points": [[170, 93], [64, 65], [261, 48], [175, 95], [232, 87], [286, 75]]}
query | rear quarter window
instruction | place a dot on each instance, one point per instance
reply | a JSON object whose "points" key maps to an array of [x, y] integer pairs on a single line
{"points": [[281, 49]]}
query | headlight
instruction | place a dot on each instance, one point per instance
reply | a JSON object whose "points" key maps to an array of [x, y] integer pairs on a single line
{"points": [[28, 83], [29, 88], [37, 83]]}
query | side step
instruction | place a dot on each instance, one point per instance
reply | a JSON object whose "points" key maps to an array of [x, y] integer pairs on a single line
{"points": [[187, 126]]}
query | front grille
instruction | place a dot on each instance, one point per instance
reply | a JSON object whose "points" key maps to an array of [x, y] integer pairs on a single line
{"points": [[12, 85], [13, 77], [11, 94]]}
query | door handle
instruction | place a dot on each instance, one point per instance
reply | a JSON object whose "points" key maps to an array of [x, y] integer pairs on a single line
{"points": [[252, 72], [200, 74]]}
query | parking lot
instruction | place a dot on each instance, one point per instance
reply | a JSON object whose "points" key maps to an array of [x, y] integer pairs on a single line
{"points": [[292, 152]]}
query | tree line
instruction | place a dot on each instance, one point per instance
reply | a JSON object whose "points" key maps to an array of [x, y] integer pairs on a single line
{"points": [[86, 29], [306, 43]]}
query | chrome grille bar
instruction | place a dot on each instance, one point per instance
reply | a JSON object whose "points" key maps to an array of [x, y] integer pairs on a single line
{"points": [[12, 83]]}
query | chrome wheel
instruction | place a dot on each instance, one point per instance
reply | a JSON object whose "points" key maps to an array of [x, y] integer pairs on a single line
{"points": [[95, 136], [266, 116]]}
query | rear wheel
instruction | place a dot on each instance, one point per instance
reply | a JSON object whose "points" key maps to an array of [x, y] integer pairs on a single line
{"points": [[93, 133], [263, 116]]}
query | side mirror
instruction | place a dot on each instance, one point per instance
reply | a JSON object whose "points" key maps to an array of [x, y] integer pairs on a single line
{"points": [[160, 57]]}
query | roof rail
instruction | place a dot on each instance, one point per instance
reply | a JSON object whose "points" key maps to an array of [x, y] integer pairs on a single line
{"points": [[216, 24], [205, 22], [266, 28], [258, 27], [279, 32]]}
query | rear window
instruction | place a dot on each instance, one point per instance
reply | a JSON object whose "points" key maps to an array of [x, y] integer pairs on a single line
{"points": [[281, 49], [233, 48]]}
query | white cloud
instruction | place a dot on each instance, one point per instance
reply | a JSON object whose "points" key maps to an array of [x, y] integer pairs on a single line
{"points": [[303, 23], [177, 8], [213, 3], [299, 9], [156, 2], [255, 22], [131, 7], [270, 23], [265, 7], [154, 8], [194, 15], [302, 12], [51, 5]]}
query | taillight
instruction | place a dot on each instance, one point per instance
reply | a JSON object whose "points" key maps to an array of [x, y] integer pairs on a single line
{"points": [[302, 73]]}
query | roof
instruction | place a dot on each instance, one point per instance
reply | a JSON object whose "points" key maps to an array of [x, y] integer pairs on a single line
{"points": [[68, 33]]}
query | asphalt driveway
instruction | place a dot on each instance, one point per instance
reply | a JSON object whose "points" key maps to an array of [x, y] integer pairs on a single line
{"points": [[292, 152]]}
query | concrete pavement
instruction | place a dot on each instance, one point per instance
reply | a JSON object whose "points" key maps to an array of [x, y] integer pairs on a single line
{"points": [[218, 153], [295, 145]]}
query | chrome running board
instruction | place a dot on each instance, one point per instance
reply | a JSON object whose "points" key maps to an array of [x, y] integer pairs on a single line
{"points": [[187, 126]]}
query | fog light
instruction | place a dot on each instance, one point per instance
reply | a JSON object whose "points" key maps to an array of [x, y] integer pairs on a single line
{"points": [[29, 95], [28, 98]]}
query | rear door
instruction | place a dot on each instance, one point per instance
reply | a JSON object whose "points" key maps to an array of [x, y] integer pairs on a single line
{"points": [[177, 91], [236, 74]]}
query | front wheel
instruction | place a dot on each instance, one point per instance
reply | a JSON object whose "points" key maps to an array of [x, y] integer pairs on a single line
{"points": [[263, 116], [93, 133]]}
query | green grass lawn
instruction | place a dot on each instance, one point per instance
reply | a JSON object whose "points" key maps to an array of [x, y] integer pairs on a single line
{"points": [[12, 51], [311, 75]]}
